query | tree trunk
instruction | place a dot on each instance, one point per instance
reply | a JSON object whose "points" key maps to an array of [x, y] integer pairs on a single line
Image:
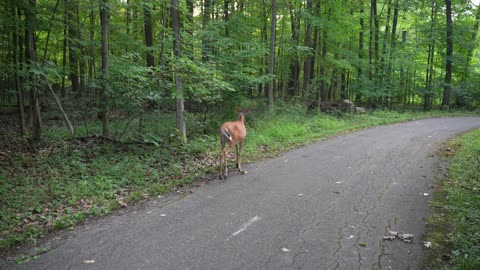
{"points": [[307, 65], [16, 62], [189, 16], [81, 60], [373, 5], [403, 79], [180, 119], [148, 28], [294, 64], [226, 4], [72, 44], [430, 63], [323, 91], [128, 18], [31, 58], [358, 96], [383, 76], [65, 46], [271, 65], [207, 13], [91, 50], [448, 68], [105, 24]]}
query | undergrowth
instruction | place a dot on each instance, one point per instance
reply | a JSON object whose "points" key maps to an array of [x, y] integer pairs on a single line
{"points": [[455, 237], [69, 179]]}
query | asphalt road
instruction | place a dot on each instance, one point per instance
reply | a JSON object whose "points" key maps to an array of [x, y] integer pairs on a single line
{"points": [[327, 205]]}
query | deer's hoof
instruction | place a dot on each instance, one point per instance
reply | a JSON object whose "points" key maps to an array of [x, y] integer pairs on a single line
{"points": [[243, 172]]}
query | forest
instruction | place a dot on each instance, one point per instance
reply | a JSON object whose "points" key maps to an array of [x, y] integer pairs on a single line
{"points": [[129, 58], [108, 102]]}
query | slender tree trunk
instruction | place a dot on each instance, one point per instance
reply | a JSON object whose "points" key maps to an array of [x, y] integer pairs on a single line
{"points": [[403, 79], [128, 18], [72, 44], [189, 16], [105, 24], [16, 62], [323, 95], [315, 45], [65, 45], [207, 13], [307, 65], [383, 66], [358, 96], [430, 62], [271, 65], [226, 16], [180, 119], [91, 50], [294, 64], [81, 48], [390, 71], [31, 58], [148, 28], [373, 4], [448, 69]]}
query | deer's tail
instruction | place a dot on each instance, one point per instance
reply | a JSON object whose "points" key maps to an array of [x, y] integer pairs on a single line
{"points": [[226, 135]]}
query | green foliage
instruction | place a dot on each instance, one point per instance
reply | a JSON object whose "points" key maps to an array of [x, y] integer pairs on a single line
{"points": [[464, 203], [456, 235]]}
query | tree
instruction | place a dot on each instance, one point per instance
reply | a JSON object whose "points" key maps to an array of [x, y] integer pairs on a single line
{"points": [[147, 14], [449, 56], [180, 119], [105, 24], [16, 63], [31, 58], [427, 96], [71, 8], [272, 55], [308, 63]]}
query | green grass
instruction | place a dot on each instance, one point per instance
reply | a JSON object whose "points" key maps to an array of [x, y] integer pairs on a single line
{"points": [[455, 235], [70, 180]]}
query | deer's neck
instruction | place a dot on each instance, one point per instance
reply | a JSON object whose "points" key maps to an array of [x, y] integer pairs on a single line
{"points": [[240, 117]]}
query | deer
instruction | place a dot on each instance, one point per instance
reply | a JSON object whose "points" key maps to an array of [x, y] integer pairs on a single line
{"points": [[233, 134]]}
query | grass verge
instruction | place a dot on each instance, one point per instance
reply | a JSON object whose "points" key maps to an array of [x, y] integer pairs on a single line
{"points": [[455, 233], [70, 179]]}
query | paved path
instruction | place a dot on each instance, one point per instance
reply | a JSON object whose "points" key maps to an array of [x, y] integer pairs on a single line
{"points": [[324, 206]]}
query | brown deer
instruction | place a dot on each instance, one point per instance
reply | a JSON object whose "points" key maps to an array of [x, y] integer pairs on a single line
{"points": [[233, 134]]}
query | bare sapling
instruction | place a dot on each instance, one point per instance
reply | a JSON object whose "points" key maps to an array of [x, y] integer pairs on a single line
{"points": [[232, 134]]}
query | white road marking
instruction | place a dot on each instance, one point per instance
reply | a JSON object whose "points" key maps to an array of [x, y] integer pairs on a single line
{"points": [[245, 226]]}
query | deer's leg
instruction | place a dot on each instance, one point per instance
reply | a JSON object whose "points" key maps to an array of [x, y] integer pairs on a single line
{"points": [[221, 156], [239, 157], [225, 155], [237, 164]]}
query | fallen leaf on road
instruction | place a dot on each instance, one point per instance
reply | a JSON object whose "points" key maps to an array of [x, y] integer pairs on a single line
{"points": [[284, 249], [89, 261], [427, 244], [122, 204], [392, 235], [351, 236], [406, 237]]}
